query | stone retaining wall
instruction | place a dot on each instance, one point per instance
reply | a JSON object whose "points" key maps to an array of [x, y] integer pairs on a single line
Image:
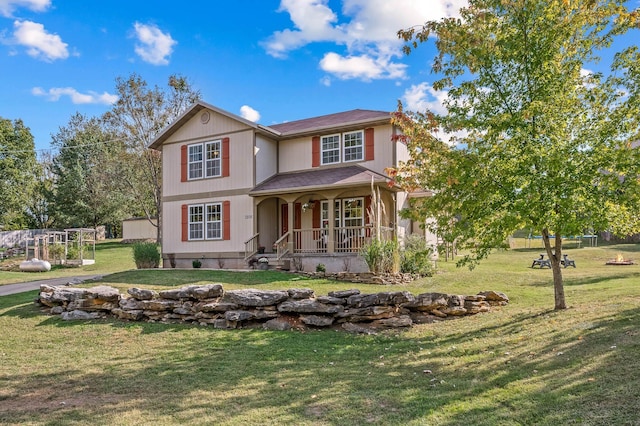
{"points": [[271, 309]]}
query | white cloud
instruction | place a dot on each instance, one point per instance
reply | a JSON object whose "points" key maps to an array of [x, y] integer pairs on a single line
{"points": [[326, 81], [154, 46], [367, 28], [249, 113], [363, 67], [39, 43], [8, 6], [422, 97], [55, 93], [313, 21]]}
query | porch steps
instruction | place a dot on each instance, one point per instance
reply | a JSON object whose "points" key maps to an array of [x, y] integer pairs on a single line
{"points": [[284, 264]]}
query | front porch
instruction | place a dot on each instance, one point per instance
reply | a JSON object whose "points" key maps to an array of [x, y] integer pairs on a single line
{"points": [[332, 212], [318, 241]]}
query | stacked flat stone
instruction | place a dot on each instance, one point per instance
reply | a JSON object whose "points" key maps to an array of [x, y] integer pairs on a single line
{"points": [[296, 308]]}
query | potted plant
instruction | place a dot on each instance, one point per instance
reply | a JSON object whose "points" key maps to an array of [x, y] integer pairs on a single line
{"points": [[263, 263]]}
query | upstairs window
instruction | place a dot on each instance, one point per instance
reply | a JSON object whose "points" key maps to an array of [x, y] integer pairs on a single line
{"points": [[195, 161], [213, 158], [330, 146], [353, 146], [205, 160], [348, 146]]}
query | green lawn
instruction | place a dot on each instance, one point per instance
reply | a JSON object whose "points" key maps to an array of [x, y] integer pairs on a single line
{"points": [[519, 365], [111, 256]]}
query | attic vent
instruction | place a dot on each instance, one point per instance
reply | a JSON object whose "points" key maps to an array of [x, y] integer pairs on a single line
{"points": [[204, 117]]}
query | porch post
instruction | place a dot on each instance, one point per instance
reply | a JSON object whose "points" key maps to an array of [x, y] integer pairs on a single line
{"points": [[290, 241], [330, 229], [255, 218]]}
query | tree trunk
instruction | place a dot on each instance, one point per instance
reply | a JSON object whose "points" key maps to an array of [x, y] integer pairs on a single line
{"points": [[555, 256]]}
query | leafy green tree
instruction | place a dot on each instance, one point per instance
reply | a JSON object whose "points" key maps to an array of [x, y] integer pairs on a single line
{"points": [[138, 117], [87, 186], [542, 143], [39, 209], [17, 171]]}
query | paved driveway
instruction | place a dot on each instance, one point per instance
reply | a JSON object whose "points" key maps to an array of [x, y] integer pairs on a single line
{"points": [[8, 289]]}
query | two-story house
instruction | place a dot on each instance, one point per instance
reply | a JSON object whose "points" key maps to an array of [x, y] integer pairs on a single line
{"points": [[302, 189]]}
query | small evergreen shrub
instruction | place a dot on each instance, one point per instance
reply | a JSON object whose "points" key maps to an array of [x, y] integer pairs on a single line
{"points": [[320, 267], [196, 263], [146, 255]]}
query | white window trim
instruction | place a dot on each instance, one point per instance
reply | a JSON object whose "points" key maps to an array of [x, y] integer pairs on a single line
{"points": [[343, 204], [203, 161], [339, 149], [339, 209], [190, 163], [191, 206], [205, 222], [219, 159], [344, 147]]}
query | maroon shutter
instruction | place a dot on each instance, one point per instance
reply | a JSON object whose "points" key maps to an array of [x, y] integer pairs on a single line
{"points": [[285, 218], [225, 157], [316, 214], [183, 163], [368, 144], [185, 222], [315, 151], [226, 220]]}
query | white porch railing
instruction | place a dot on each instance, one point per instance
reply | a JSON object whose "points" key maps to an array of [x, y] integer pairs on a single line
{"points": [[310, 240], [281, 245], [251, 246], [347, 239]]}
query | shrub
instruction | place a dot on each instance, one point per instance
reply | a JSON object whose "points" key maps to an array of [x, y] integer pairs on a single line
{"points": [[146, 255], [416, 256], [196, 263], [382, 257], [321, 268]]}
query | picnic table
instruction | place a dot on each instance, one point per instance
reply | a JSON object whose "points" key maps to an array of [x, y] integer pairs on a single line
{"points": [[541, 262]]}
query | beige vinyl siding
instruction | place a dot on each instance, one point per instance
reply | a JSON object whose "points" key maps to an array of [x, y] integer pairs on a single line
{"points": [[266, 153], [402, 153], [139, 229], [241, 227], [217, 125], [295, 154], [240, 166]]}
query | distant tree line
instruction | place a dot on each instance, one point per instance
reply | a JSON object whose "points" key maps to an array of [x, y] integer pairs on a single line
{"points": [[99, 170]]}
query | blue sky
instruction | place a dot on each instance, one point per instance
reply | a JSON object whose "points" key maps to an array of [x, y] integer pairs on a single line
{"points": [[270, 61]]}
